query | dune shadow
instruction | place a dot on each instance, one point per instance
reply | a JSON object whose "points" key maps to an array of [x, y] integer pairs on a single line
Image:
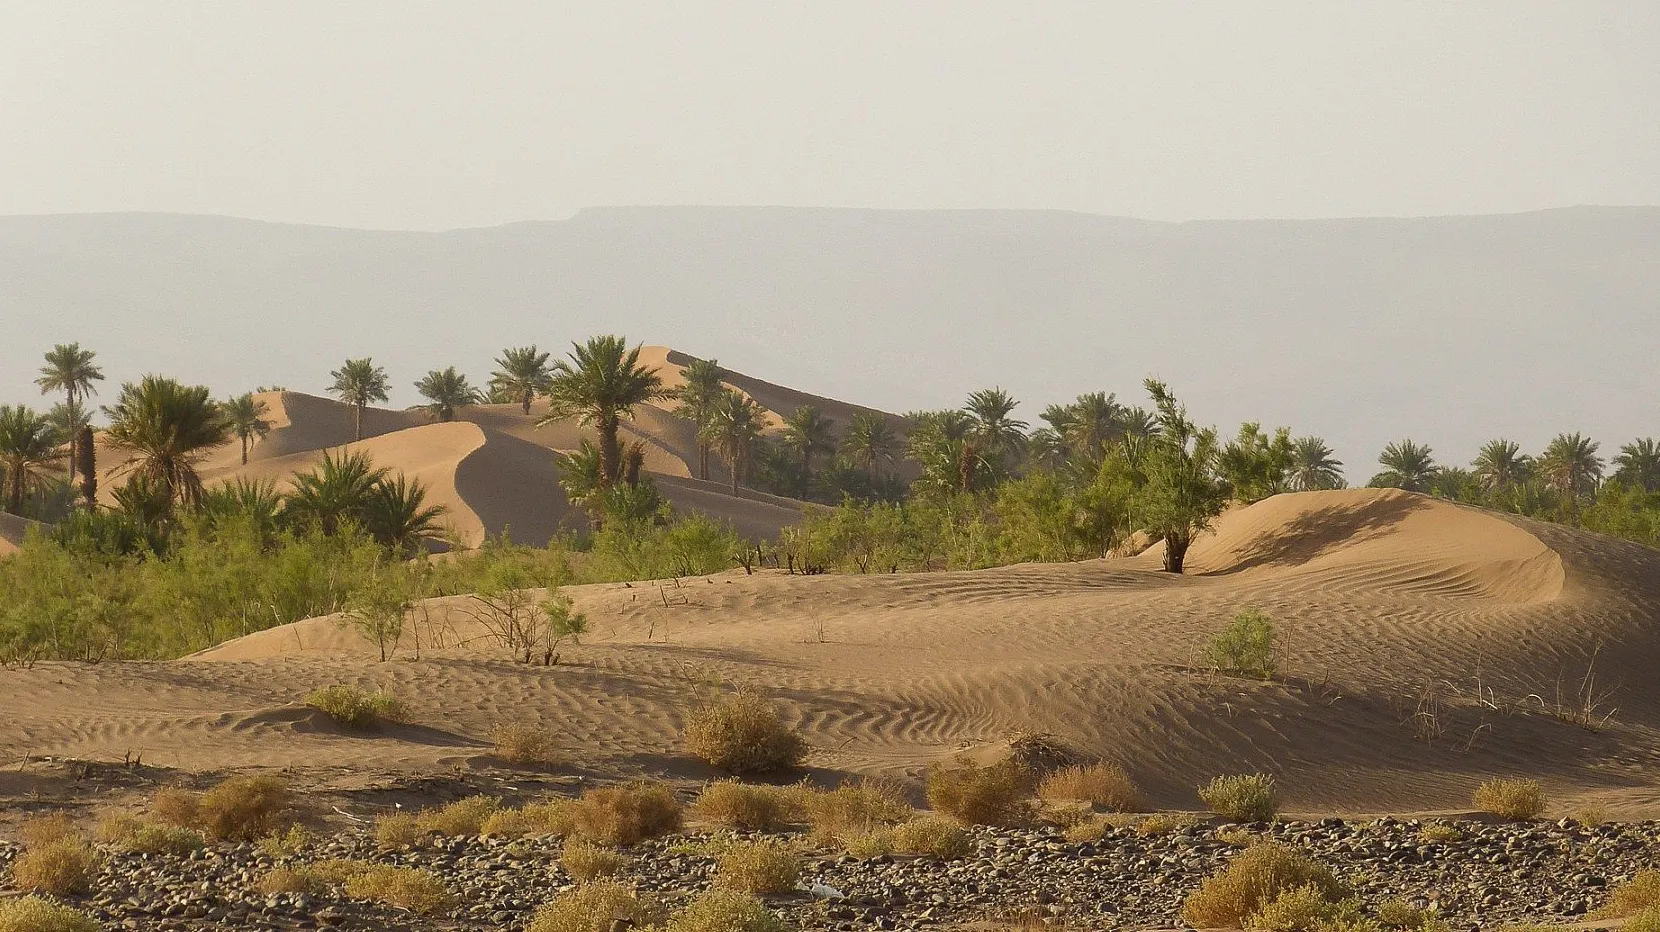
{"points": [[1320, 531], [513, 483]]}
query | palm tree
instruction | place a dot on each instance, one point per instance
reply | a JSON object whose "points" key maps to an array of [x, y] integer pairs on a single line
{"points": [[807, 432], [1314, 466], [28, 445], [521, 373], [947, 446], [697, 398], [166, 428], [247, 416], [600, 386], [70, 369], [1501, 465], [1096, 423], [447, 390], [734, 427], [995, 433], [1406, 465], [340, 490], [870, 441], [1639, 464], [255, 499], [1570, 465], [399, 517], [360, 383]]}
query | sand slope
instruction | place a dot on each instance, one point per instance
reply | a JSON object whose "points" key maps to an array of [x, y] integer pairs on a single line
{"points": [[1422, 646], [12, 531]]}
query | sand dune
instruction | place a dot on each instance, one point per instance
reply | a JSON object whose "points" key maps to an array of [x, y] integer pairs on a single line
{"points": [[12, 531], [1423, 644]]}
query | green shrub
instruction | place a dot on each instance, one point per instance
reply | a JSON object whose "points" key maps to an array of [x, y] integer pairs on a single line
{"points": [[1243, 798], [354, 708], [724, 910], [585, 861], [731, 804], [462, 817], [626, 815], [408, 888], [1253, 879], [133, 834], [743, 733], [1105, 785], [38, 914], [1512, 800], [932, 837], [764, 866], [593, 907], [995, 795], [1246, 646]]}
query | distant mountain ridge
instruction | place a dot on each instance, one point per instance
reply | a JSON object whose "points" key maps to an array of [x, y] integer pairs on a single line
{"points": [[1446, 329]]}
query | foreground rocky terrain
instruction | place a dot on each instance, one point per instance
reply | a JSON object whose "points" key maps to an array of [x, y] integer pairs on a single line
{"points": [[1496, 874]]}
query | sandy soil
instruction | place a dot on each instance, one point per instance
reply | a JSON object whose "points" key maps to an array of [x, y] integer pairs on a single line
{"points": [[1427, 646]]}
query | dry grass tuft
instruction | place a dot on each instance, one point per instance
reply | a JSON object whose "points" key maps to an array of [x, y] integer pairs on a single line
{"points": [[281, 845], [1399, 914], [585, 861], [408, 888], [932, 837], [1440, 833], [764, 866], [1646, 921], [354, 708], [1237, 837], [62, 868], [853, 810], [130, 833], [289, 880], [555, 817], [238, 809], [462, 817], [1089, 830], [1160, 823], [1253, 879], [593, 907], [398, 830], [1243, 798], [44, 830], [723, 910], [1511, 800], [874, 843], [1641, 892], [523, 744], [1105, 785], [995, 795], [626, 815], [731, 804], [38, 914], [743, 733], [1307, 908]]}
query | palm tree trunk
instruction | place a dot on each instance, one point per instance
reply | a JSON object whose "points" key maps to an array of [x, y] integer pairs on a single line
{"points": [[703, 461], [244, 449], [737, 467], [74, 433], [524, 401], [610, 452], [359, 428]]}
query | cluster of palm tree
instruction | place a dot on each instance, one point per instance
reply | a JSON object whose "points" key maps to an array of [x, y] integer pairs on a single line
{"points": [[1569, 470]]}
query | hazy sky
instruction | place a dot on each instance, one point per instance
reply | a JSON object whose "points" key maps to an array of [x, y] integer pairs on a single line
{"points": [[435, 115]]}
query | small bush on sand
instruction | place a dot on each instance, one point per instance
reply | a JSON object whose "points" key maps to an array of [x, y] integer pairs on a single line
{"points": [[1087, 831], [554, 817], [725, 910], [398, 830], [874, 843], [1641, 892], [1246, 646], [1440, 833], [1511, 800], [334, 872], [593, 907], [354, 708], [1244, 798], [1306, 908], [585, 861], [282, 845], [742, 733], [1254, 878], [289, 880], [523, 744], [1399, 914], [129, 833], [932, 837], [62, 868], [1162, 823], [855, 809], [408, 888], [44, 830], [731, 804], [238, 809], [995, 795], [38, 914], [764, 866], [1237, 837], [462, 817], [505, 823], [1105, 785], [626, 815]]}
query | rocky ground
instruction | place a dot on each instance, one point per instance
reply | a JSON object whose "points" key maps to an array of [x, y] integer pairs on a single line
{"points": [[1495, 875]]}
